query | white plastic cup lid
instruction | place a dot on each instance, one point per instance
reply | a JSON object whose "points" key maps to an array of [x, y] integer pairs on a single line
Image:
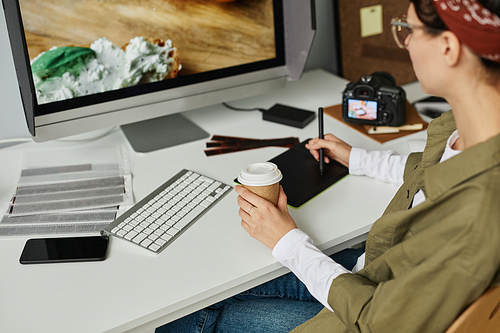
{"points": [[260, 174]]}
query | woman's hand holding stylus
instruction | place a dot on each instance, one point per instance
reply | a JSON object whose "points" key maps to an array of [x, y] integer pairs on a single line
{"points": [[334, 148]]}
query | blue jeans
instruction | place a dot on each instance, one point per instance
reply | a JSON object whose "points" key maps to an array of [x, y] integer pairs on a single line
{"points": [[279, 305]]}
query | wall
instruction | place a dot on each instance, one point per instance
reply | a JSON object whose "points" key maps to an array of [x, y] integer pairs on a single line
{"points": [[12, 121]]}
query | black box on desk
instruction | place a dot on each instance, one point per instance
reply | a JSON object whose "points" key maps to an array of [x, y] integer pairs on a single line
{"points": [[287, 115]]}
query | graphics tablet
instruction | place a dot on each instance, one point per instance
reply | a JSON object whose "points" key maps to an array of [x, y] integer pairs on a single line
{"points": [[301, 178]]}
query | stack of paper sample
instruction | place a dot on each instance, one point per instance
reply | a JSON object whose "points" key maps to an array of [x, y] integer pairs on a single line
{"points": [[60, 193]]}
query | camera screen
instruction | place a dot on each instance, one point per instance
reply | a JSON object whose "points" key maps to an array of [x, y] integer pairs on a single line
{"points": [[361, 109]]}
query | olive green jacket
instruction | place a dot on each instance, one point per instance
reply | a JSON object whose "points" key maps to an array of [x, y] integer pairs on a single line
{"points": [[426, 264]]}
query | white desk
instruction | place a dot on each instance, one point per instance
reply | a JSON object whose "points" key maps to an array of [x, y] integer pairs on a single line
{"points": [[215, 258]]}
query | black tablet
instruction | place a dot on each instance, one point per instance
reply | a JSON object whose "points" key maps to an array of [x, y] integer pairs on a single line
{"points": [[301, 177]]}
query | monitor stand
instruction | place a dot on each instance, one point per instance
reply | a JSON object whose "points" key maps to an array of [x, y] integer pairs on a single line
{"points": [[163, 132]]}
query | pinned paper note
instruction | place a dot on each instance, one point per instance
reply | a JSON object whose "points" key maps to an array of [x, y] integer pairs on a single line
{"points": [[371, 20]]}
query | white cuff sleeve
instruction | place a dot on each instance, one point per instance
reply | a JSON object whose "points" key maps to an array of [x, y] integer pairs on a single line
{"points": [[360, 263], [383, 165], [316, 270]]}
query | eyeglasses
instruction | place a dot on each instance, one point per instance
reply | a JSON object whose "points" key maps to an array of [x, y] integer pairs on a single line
{"points": [[401, 30]]}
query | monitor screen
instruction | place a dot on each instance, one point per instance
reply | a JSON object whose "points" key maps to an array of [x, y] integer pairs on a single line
{"points": [[89, 59], [102, 50]]}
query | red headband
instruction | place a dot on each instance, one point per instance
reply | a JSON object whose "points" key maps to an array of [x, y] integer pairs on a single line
{"points": [[474, 25]]}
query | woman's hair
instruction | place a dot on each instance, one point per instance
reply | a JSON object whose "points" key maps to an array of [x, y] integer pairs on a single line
{"points": [[428, 15]]}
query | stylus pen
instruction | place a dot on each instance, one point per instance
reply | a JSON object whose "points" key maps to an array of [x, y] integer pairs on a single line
{"points": [[321, 136]]}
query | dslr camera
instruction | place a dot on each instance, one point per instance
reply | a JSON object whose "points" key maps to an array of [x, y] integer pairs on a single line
{"points": [[374, 100]]}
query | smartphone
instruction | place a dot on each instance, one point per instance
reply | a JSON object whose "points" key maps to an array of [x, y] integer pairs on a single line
{"points": [[64, 249]]}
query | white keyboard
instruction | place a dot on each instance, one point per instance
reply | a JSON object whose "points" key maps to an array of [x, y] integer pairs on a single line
{"points": [[157, 220]]}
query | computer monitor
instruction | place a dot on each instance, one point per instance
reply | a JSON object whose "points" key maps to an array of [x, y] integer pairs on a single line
{"points": [[93, 64]]}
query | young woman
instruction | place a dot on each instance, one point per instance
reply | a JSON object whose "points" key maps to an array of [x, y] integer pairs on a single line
{"points": [[437, 246]]}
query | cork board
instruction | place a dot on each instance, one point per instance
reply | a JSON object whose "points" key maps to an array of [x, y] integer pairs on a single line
{"points": [[412, 117], [364, 55]]}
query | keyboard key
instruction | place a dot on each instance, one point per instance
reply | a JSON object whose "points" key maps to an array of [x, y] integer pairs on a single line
{"points": [[189, 217], [160, 241], [172, 231], [148, 231], [154, 247], [121, 232], [214, 186], [166, 237], [131, 235], [138, 228], [205, 203], [133, 223], [138, 239]]}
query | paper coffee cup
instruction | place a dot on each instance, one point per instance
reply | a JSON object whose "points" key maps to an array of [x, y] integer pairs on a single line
{"points": [[262, 179]]}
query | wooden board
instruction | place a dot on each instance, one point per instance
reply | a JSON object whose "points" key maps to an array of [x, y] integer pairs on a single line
{"points": [[412, 117], [365, 55], [208, 34]]}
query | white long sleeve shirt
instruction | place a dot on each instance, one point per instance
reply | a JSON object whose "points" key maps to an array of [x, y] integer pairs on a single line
{"points": [[296, 250]]}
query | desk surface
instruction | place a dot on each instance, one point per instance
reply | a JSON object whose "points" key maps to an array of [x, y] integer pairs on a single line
{"points": [[211, 261]]}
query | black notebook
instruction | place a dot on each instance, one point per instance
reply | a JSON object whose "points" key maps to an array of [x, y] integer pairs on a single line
{"points": [[301, 177]]}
